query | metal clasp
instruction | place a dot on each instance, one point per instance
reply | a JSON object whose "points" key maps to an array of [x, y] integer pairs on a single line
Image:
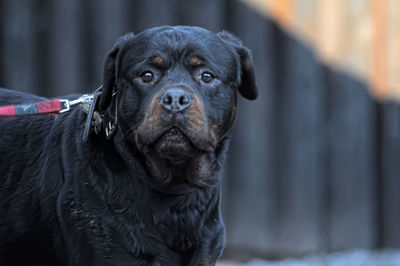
{"points": [[84, 99], [65, 105]]}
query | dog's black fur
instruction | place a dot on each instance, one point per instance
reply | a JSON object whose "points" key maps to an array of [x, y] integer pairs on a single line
{"points": [[150, 195]]}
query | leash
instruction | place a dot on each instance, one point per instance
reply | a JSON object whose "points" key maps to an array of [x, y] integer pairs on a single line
{"points": [[58, 106], [44, 107]]}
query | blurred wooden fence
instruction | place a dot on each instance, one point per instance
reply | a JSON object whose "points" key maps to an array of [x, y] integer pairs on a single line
{"points": [[361, 36], [314, 162]]}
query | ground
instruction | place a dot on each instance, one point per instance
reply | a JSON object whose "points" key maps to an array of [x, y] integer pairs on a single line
{"points": [[349, 258]]}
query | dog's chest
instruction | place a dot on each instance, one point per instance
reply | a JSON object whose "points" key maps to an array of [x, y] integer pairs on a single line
{"points": [[181, 223], [142, 224]]}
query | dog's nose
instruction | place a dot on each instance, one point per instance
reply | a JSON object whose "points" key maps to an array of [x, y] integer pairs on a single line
{"points": [[175, 100]]}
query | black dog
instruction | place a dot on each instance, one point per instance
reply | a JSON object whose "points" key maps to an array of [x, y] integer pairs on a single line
{"points": [[144, 188]]}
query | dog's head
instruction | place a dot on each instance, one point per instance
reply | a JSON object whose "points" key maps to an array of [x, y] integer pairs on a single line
{"points": [[177, 89]]}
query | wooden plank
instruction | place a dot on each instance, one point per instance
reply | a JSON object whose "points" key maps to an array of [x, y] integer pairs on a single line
{"points": [[249, 185], [304, 15], [153, 13], [283, 12], [211, 18], [352, 163], [41, 23], [301, 151], [393, 48], [329, 28], [67, 62], [390, 170], [108, 22], [379, 74], [17, 52]]}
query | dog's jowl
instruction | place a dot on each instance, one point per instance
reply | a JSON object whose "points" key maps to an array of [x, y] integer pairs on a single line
{"points": [[143, 188]]}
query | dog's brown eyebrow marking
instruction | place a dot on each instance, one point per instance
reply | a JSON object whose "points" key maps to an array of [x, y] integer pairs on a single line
{"points": [[195, 61], [158, 61]]}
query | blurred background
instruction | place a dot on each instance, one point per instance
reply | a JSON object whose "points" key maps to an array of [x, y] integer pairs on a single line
{"points": [[314, 165]]}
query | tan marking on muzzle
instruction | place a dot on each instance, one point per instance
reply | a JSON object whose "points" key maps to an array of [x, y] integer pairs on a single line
{"points": [[198, 122], [197, 115], [155, 110], [150, 123]]}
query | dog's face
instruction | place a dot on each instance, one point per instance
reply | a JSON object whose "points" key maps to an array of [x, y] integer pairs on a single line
{"points": [[177, 90]]}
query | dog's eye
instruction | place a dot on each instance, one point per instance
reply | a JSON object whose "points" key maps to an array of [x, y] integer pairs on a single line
{"points": [[147, 76], [207, 77]]}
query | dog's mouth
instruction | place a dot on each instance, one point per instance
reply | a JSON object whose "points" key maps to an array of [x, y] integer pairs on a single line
{"points": [[174, 145]]}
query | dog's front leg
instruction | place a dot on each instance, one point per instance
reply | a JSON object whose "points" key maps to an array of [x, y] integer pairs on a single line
{"points": [[207, 255]]}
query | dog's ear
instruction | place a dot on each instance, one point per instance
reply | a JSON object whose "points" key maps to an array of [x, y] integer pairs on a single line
{"points": [[109, 78], [247, 86], [110, 72]]}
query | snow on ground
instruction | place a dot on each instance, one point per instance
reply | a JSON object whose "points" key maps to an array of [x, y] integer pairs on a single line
{"points": [[348, 258]]}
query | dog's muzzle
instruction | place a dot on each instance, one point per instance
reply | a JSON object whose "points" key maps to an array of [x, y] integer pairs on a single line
{"points": [[175, 125]]}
